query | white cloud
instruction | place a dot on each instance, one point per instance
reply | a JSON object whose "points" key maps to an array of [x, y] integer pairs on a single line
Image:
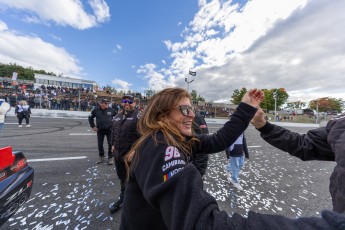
{"points": [[121, 85], [31, 51], [294, 44], [66, 13], [3, 26]]}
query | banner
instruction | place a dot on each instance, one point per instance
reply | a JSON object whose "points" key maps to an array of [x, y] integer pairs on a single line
{"points": [[14, 76], [192, 73]]}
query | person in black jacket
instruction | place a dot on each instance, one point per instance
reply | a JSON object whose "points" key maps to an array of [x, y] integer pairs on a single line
{"points": [[236, 153], [164, 190], [124, 135], [325, 143], [23, 111], [104, 116], [200, 127]]}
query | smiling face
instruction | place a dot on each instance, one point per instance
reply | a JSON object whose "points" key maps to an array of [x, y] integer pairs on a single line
{"points": [[181, 121], [128, 104]]}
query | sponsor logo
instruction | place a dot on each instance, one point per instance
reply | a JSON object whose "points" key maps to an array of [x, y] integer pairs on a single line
{"points": [[171, 152], [172, 163], [171, 174]]}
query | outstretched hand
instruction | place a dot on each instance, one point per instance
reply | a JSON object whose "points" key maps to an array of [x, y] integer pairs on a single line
{"points": [[253, 97], [259, 119]]}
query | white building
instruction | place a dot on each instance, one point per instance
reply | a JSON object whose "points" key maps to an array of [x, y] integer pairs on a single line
{"points": [[49, 80]]}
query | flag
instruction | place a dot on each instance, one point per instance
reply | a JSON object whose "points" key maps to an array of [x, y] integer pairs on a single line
{"points": [[14, 76], [192, 73]]}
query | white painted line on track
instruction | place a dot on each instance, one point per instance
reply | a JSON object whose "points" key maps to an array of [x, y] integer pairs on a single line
{"points": [[82, 134], [57, 159], [254, 146]]}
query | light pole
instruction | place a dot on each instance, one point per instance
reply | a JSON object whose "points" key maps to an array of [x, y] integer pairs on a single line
{"points": [[317, 111], [275, 105], [186, 79]]}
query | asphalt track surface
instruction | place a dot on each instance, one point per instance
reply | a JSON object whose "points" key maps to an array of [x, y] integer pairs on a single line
{"points": [[70, 191]]}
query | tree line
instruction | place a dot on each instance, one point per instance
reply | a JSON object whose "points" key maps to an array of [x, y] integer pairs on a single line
{"points": [[6, 70], [276, 98]]}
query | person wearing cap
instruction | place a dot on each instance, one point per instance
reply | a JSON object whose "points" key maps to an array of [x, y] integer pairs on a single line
{"points": [[124, 135], [104, 116]]}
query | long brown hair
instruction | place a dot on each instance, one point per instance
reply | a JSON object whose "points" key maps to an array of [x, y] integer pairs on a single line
{"points": [[155, 119]]}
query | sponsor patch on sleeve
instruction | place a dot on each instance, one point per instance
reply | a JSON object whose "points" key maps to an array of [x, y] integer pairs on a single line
{"points": [[173, 162], [171, 174], [171, 152]]}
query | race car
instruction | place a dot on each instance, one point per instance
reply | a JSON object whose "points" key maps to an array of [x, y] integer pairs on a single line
{"points": [[16, 179]]}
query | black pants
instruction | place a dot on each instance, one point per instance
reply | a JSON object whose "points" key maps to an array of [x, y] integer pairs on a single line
{"points": [[121, 174], [22, 116], [100, 138]]}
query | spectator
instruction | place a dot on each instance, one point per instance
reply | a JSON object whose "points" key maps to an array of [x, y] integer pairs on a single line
{"points": [[236, 153], [124, 135], [4, 108], [104, 116], [23, 111]]}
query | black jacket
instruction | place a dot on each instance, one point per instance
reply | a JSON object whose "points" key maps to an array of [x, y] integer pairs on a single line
{"points": [[200, 160], [326, 143], [125, 132], [104, 118], [239, 149], [164, 191]]}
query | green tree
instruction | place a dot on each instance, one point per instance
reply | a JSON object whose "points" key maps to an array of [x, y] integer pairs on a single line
{"points": [[296, 104], [194, 95], [270, 98], [237, 95], [326, 104]]}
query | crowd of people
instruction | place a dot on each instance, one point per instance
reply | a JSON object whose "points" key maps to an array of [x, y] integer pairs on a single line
{"points": [[161, 153]]}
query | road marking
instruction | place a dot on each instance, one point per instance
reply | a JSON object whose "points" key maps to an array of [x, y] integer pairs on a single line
{"points": [[82, 134], [254, 146], [57, 159]]}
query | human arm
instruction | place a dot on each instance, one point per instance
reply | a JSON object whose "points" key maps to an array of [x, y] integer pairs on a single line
{"points": [[91, 120], [310, 146], [229, 133], [183, 204]]}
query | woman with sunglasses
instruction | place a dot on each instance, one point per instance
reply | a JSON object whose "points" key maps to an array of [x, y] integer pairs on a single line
{"points": [[164, 190]]}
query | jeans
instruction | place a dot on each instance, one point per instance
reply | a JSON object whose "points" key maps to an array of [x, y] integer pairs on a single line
{"points": [[234, 166]]}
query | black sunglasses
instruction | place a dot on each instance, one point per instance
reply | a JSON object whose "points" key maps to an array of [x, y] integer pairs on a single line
{"points": [[185, 109], [127, 101]]}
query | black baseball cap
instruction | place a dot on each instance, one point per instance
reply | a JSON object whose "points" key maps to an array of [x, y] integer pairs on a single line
{"points": [[127, 96], [104, 100]]}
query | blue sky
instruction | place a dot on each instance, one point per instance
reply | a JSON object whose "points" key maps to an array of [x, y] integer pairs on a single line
{"points": [[139, 45]]}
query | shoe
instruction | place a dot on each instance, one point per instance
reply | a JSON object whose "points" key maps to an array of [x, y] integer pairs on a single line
{"points": [[236, 185], [110, 161], [100, 160], [20, 126], [115, 207], [28, 126]]}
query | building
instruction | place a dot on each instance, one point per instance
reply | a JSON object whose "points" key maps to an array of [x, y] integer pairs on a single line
{"points": [[49, 80]]}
